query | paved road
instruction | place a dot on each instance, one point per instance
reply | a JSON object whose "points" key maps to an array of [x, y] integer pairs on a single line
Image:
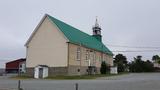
{"points": [[142, 81]]}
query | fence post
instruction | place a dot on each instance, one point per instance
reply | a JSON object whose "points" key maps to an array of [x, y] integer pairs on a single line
{"points": [[19, 85], [76, 86]]}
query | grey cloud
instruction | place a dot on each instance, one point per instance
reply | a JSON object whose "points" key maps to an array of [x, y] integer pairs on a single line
{"points": [[123, 22]]}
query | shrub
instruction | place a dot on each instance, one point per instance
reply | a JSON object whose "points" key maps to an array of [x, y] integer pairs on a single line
{"points": [[104, 68]]}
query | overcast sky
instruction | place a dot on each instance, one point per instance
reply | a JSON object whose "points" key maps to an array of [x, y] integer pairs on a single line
{"points": [[124, 23]]}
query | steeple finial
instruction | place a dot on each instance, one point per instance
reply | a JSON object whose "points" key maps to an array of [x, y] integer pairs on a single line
{"points": [[96, 23]]}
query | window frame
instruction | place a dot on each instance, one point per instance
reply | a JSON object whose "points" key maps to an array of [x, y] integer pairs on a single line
{"points": [[78, 54], [87, 56]]}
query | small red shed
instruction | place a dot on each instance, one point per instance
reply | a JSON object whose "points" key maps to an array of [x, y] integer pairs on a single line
{"points": [[13, 66]]}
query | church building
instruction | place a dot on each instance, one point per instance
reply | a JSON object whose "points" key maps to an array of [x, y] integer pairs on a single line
{"points": [[56, 48]]}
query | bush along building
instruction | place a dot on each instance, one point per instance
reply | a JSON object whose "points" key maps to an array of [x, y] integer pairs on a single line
{"points": [[56, 48]]}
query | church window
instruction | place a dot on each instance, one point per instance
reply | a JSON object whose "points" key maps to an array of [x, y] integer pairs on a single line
{"points": [[78, 53], [87, 55]]}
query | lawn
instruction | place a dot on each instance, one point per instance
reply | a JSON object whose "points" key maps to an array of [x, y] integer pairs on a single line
{"points": [[77, 77]]}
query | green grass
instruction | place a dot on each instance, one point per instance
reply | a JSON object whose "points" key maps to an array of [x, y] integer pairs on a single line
{"points": [[77, 77], [83, 76], [22, 77], [71, 77]]}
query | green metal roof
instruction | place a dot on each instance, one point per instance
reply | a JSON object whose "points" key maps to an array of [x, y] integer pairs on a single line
{"points": [[78, 37]]}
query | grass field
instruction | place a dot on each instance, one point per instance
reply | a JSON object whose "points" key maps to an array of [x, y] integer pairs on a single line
{"points": [[62, 77]]}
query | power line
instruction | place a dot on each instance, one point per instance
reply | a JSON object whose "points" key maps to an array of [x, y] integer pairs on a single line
{"points": [[3, 60], [124, 46], [138, 51]]}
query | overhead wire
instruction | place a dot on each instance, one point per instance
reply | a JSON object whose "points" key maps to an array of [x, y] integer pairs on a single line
{"points": [[138, 51], [134, 48], [148, 47]]}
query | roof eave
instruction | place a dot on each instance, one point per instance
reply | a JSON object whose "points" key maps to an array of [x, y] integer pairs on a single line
{"points": [[91, 48]]}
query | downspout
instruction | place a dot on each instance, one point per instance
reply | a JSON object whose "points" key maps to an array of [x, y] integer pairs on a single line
{"points": [[68, 57], [80, 57], [102, 52]]}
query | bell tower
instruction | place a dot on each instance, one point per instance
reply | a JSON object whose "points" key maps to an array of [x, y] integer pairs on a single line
{"points": [[97, 31]]}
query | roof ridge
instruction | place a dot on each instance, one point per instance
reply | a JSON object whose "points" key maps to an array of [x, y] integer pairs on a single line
{"points": [[72, 27], [68, 24]]}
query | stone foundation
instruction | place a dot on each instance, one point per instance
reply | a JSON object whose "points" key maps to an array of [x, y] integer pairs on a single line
{"points": [[83, 70], [52, 71], [30, 72], [77, 70], [57, 71], [71, 70]]}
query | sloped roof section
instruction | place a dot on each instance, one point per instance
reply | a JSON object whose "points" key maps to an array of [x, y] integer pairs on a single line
{"points": [[78, 37]]}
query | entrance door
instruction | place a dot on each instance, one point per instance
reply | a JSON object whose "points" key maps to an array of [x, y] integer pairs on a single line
{"points": [[40, 72], [91, 70]]}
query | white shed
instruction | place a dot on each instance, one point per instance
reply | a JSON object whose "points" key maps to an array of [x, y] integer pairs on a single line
{"points": [[41, 71], [113, 70]]}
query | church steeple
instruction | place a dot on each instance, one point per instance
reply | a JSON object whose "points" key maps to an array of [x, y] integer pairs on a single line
{"points": [[97, 31]]}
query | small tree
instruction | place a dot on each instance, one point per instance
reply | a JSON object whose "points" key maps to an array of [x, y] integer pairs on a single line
{"points": [[121, 62], [138, 65], [156, 59], [103, 68]]}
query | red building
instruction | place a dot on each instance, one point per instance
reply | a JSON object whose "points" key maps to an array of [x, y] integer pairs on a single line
{"points": [[15, 66]]}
